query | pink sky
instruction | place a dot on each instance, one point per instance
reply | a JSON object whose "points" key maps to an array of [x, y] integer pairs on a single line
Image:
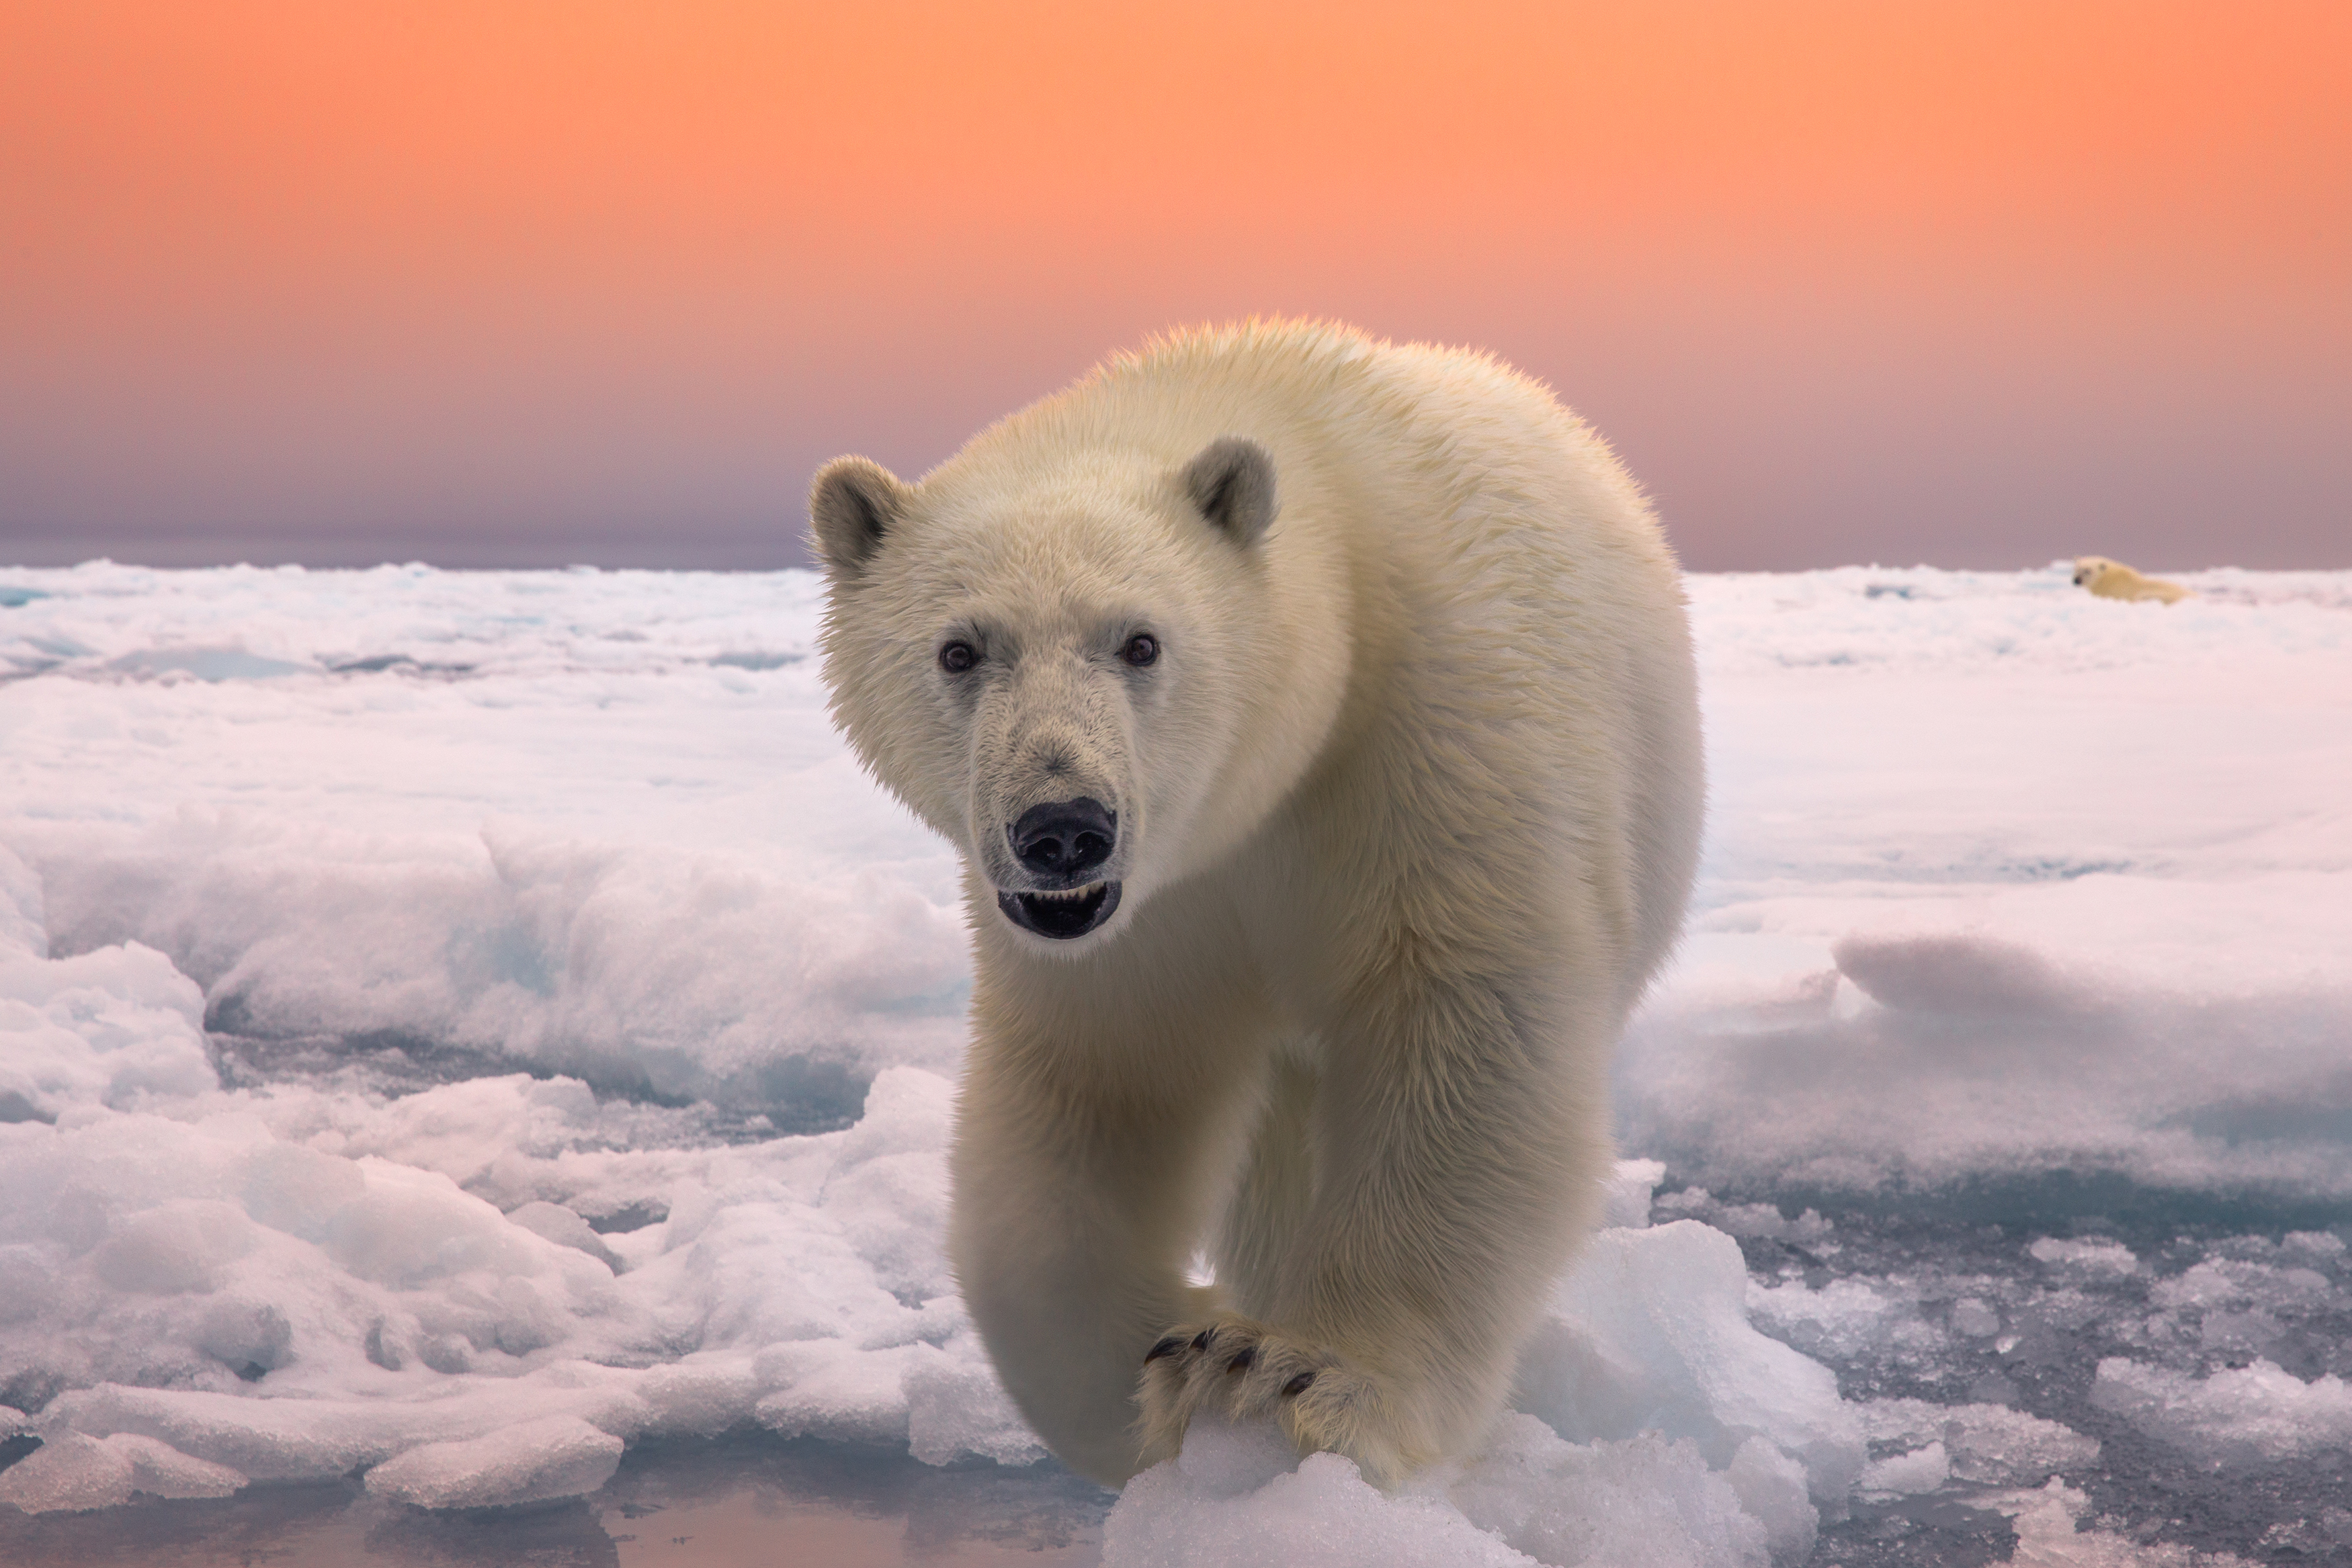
{"points": [[584, 281]]}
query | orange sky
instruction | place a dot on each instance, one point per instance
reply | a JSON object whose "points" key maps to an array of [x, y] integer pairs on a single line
{"points": [[1976, 284]]}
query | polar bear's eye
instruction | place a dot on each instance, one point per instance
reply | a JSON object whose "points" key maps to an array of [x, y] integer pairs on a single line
{"points": [[1141, 649], [958, 657]]}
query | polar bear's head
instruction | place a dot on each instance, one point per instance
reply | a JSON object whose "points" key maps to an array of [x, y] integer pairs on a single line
{"points": [[2090, 569], [1048, 657]]}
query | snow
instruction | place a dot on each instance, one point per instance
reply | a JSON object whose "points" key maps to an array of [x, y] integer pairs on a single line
{"points": [[2002, 883], [455, 1026]]}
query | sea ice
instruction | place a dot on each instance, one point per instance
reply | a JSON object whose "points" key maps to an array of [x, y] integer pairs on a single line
{"points": [[1649, 1333], [555, 1456], [456, 1025], [1990, 1445], [2236, 1417], [75, 1472]]}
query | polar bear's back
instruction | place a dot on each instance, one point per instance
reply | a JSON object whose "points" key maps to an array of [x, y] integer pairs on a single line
{"points": [[1525, 602], [1441, 457], [1536, 555], [1436, 459]]}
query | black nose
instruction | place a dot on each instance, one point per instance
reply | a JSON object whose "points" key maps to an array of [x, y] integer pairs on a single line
{"points": [[1063, 840]]}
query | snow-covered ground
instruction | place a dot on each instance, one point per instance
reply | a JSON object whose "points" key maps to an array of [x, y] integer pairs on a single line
{"points": [[454, 1026]]}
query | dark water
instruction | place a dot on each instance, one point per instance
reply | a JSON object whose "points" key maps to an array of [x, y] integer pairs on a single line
{"points": [[735, 1501]]}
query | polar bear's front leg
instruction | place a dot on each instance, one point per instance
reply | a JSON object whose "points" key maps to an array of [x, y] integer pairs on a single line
{"points": [[1459, 1146], [1245, 1371], [1076, 1214]]}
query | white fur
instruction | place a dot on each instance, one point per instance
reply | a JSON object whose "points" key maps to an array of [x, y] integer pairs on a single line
{"points": [[2114, 580], [1407, 809]]}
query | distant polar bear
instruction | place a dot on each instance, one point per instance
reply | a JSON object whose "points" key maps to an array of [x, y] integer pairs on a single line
{"points": [[1317, 721], [2114, 580]]}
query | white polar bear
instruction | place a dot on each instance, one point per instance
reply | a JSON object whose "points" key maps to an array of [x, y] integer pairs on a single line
{"points": [[2114, 580], [1317, 721]]}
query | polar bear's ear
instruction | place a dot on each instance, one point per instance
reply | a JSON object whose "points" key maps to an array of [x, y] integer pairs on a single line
{"points": [[852, 504], [1232, 481]]}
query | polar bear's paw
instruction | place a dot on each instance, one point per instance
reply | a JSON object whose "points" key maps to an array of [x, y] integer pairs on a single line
{"points": [[1245, 1371]]}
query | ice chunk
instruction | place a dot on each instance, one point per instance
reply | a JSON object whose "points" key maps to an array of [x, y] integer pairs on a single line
{"points": [[1958, 974], [68, 1471], [164, 1471], [252, 1337], [565, 1228], [703, 1395], [2096, 1258], [557, 1456], [605, 960], [1987, 1444], [321, 1439], [890, 1182], [1772, 1488], [1232, 1499], [1642, 1502], [1839, 1321], [1650, 1332], [299, 1190], [832, 1389], [1223, 1458], [1631, 1185], [1761, 1219], [1241, 1495], [957, 1408], [72, 1471], [267, 1439], [110, 1027], [1975, 1318], [2049, 1535], [175, 1247], [411, 1227], [1920, 1470], [2223, 1283], [2236, 1417]]}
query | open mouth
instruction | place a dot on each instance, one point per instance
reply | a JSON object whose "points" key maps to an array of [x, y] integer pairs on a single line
{"points": [[1061, 915]]}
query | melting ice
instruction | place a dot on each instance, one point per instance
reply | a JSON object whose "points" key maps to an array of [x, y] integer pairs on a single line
{"points": [[455, 1026]]}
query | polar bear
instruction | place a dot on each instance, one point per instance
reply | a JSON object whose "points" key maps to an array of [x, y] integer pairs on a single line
{"points": [[1315, 719], [2114, 580]]}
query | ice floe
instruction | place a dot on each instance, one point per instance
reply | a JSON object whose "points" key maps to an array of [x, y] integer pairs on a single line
{"points": [[454, 1026]]}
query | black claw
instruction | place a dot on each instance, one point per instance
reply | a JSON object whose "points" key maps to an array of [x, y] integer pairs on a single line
{"points": [[1243, 1361], [1168, 1346], [1200, 1340], [1298, 1386]]}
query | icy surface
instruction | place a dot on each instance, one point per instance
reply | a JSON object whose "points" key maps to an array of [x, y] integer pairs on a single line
{"points": [[2002, 885], [459, 1030]]}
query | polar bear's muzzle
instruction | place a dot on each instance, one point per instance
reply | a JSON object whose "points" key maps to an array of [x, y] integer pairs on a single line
{"points": [[1061, 915], [1062, 846]]}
